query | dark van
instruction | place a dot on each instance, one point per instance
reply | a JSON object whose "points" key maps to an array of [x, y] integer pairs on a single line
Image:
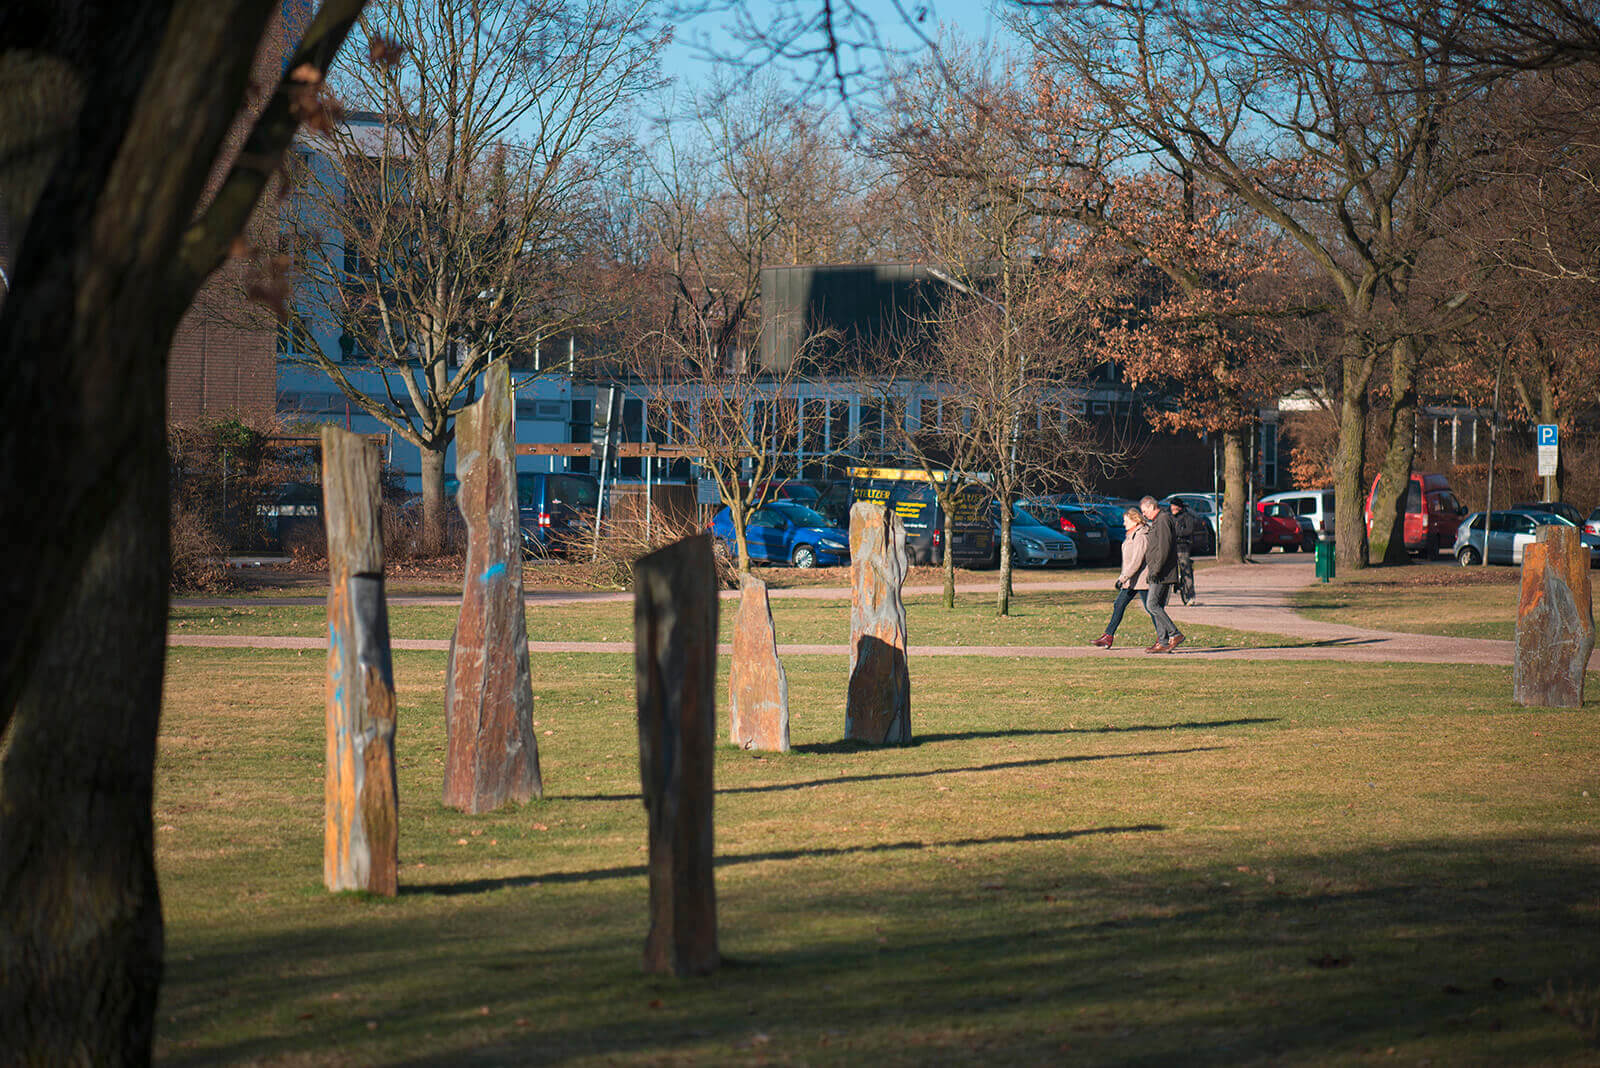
{"points": [[557, 509], [909, 493]]}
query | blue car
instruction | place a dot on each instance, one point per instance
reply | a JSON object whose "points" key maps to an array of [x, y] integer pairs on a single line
{"points": [[785, 532]]}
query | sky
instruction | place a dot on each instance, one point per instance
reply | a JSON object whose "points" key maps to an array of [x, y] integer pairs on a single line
{"points": [[875, 30]]}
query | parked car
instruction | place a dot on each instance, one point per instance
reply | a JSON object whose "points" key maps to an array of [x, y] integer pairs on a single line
{"points": [[1560, 508], [910, 494], [785, 532], [1432, 514], [1108, 509], [1510, 532], [292, 515], [1281, 528], [1033, 543], [1592, 524], [1315, 505], [556, 509], [1078, 522]]}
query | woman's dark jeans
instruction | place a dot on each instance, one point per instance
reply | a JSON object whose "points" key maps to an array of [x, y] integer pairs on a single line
{"points": [[1124, 598]]}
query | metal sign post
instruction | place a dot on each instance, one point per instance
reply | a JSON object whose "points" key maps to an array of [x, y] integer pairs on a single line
{"points": [[1548, 438]]}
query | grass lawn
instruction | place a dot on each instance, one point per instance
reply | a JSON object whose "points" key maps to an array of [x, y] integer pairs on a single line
{"points": [[1453, 602], [1045, 617], [1077, 862]]}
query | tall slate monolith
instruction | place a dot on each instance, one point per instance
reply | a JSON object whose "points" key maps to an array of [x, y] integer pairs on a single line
{"points": [[492, 755], [361, 808], [1555, 621], [758, 689], [675, 665], [878, 703]]}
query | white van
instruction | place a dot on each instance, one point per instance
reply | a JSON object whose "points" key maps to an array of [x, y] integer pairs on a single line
{"points": [[1315, 505]]}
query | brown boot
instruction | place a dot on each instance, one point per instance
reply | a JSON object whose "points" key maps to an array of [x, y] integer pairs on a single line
{"points": [[1158, 647], [1174, 641], [1104, 641]]}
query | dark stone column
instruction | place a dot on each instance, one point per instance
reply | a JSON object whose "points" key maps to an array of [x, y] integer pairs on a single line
{"points": [[493, 756], [675, 663], [878, 704], [1555, 621], [758, 689]]}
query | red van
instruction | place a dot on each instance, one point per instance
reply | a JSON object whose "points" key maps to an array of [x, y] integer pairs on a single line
{"points": [[1432, 513]]}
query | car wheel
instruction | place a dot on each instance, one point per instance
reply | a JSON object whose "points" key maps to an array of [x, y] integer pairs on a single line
{"points": [[1467, 556], [804, 556]]}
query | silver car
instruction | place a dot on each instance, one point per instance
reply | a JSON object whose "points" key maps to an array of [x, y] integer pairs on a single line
{"points": [[1509, 533]]}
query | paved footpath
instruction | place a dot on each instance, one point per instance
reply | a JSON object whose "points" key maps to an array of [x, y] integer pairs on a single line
{"points": [[1249, 597]]}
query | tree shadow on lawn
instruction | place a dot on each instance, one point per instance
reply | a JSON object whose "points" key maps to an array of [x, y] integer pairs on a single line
{"points": [[887, 776], [630, 871], [1440, 948]]}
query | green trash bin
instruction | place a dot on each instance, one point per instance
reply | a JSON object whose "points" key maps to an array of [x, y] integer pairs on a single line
{"points": [[1324, 559]]}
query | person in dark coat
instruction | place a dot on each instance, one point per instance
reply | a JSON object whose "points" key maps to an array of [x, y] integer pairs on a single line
{"points": [[1161, 569], [1186, 525]]}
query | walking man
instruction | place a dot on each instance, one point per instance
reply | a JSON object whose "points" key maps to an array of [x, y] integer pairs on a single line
{"points": [[1161, 569], [1185, 525]]}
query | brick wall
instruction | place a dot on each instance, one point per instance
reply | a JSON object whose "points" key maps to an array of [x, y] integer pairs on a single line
{"points": [[223, 360]]}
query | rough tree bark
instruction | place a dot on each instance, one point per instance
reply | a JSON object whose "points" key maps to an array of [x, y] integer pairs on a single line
{"points": [[1349, 495], [1231, 543], [1386, 540], [113, 246]]}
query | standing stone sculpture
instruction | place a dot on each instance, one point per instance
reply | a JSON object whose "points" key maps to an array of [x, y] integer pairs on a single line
{"points": [[878, 704], [1555, 621], [492, 754], [675, 663], [361, 831], [758, 690]]}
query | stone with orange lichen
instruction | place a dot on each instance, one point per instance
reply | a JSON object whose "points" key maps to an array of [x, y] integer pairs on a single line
{"points": [[1555, 621]]}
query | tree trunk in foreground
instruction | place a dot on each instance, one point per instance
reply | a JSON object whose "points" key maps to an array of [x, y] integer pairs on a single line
{"points": [[81, 934]]}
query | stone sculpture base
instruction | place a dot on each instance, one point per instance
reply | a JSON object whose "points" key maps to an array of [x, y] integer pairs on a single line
{"points": [[675, 664], [1555, 621], [878, 703], [758, 689]]}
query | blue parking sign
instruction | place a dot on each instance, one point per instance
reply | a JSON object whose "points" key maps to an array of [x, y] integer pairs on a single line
{"points": [[1548, 434]]}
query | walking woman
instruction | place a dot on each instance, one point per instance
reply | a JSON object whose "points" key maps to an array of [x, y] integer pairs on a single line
{"points": [[1133, 546]]}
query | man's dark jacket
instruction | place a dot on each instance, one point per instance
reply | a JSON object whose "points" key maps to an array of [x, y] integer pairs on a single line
{"points": [[1185, 526], [1161, 554]]}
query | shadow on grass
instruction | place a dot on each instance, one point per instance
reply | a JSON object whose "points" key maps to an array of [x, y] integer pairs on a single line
{"points": [[1439, 949], [631, 871], [954, 736], [888, 776]]}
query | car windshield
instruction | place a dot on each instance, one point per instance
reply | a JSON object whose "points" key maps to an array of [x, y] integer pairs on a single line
{"points": [[797, 492], [799, 514], [1550, 519]]}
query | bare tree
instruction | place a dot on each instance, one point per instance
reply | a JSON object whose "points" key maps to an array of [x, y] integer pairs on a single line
{"points": [[1013, 332], [112, 117], [1328, 126], [453, 226]]}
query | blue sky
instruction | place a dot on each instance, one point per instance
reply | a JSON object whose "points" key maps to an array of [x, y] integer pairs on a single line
{"points": [[900, 28]]}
